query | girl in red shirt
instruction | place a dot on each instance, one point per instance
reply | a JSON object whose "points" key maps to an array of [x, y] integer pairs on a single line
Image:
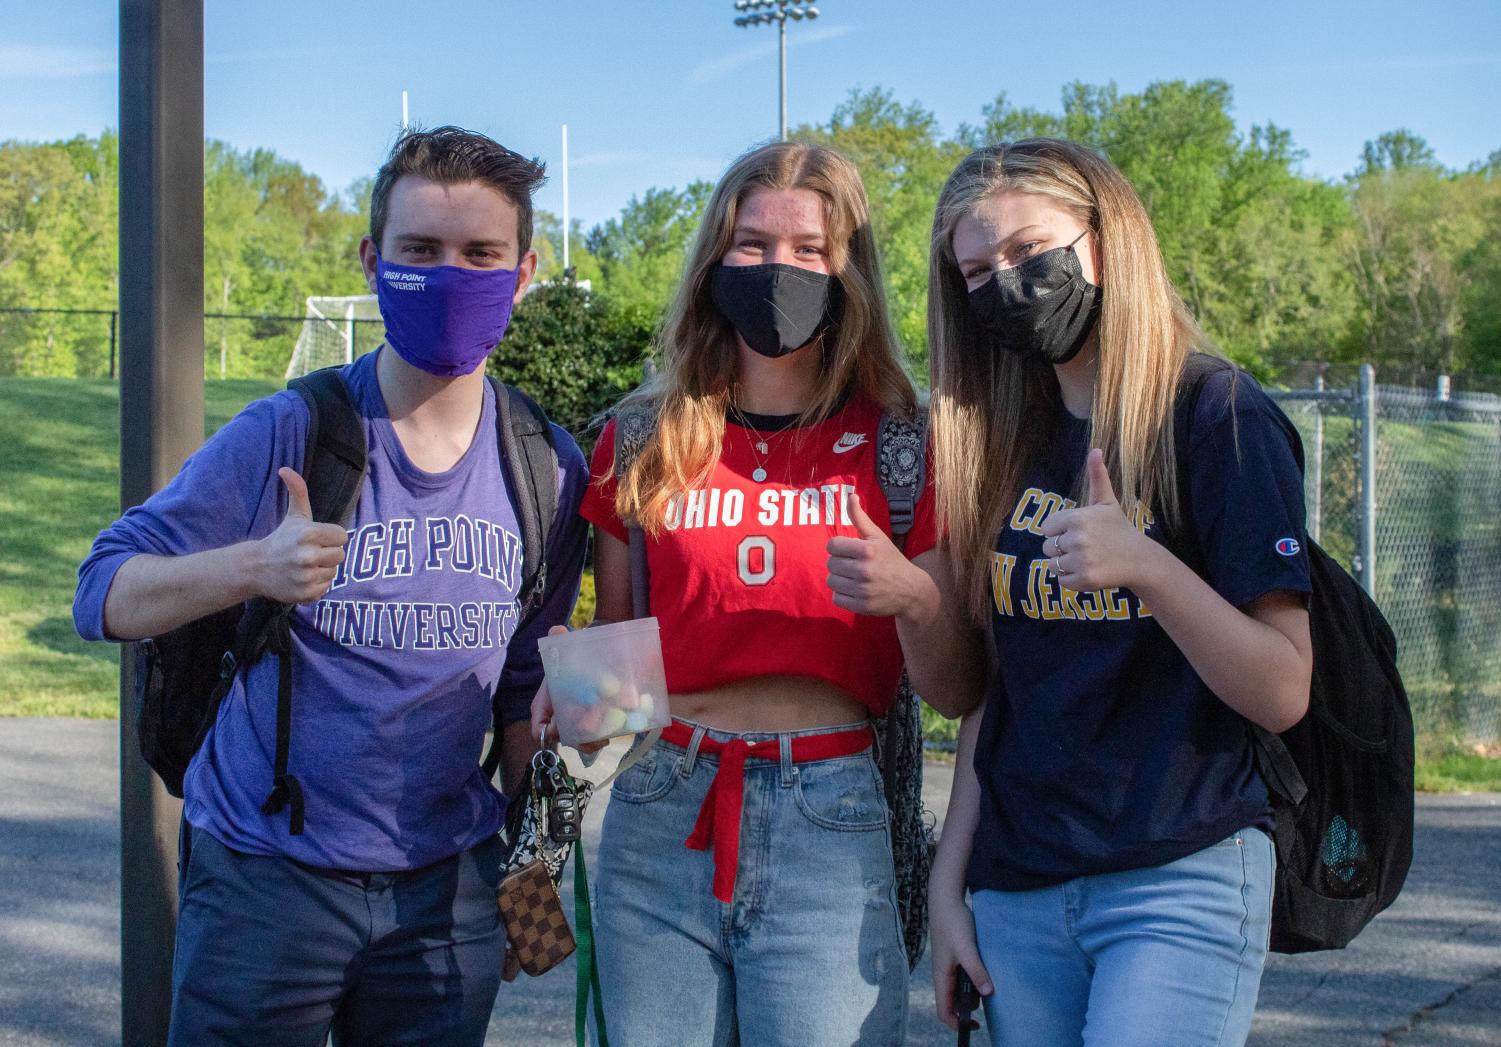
{"points": [[746, 888]]}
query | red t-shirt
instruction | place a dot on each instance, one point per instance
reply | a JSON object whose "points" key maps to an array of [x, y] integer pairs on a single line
{"points": [[739, 575]]}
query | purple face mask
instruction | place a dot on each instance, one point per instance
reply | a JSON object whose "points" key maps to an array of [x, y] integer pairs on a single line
{"points": [[442, 318]]}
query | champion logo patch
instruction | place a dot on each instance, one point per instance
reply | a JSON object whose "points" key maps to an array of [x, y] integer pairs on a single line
{"points": [[1288, 546], [848, 442]]}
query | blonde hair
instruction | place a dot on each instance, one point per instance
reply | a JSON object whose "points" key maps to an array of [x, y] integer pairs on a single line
{"points": [[697, 352], [988, 407]]}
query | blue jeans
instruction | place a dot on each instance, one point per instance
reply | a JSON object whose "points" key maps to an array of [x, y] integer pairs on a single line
{"points": [[271, 951], [1171, 954], [809, 952]]}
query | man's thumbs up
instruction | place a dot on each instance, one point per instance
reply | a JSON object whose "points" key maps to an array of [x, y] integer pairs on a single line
{"points": [[1100, 490], [296, 562], [298, 503]]}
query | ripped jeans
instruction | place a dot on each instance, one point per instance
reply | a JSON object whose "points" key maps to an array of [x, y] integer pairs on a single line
{"points": [[809, 950]]}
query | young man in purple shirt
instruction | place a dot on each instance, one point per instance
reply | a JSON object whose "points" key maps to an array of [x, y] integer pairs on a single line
{"points": [[377, 922]]}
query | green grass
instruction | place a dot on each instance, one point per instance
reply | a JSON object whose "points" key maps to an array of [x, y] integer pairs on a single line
{"points": [[59, 485], [1458, 772], [59, 469]]}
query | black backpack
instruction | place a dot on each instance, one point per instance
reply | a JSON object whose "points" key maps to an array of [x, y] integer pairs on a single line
{"points": [[1341, 779], [181, 677]]}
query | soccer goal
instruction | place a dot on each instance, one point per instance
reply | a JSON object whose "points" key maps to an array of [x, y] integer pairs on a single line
{"points": [[335, 330]]}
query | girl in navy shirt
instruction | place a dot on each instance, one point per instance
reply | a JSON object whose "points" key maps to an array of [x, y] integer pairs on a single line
{"points": [[1107, 817]]}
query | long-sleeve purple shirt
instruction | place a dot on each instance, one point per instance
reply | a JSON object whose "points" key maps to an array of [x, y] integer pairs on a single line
{"points": [[394, 669]]}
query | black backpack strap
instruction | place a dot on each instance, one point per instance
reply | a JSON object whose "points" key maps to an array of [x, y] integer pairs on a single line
{"points": [[286, 790], [529, 459], [1278, 768], [334, 470], [334, 467]]}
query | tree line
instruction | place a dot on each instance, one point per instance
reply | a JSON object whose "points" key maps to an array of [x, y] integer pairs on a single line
{"points": [[1397, 263]]}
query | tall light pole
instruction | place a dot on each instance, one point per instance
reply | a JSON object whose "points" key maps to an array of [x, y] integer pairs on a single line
{"points": [[565, 201], [776, 12]]}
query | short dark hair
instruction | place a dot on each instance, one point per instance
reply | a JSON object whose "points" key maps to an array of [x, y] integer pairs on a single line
{"points": [[450, 155]]}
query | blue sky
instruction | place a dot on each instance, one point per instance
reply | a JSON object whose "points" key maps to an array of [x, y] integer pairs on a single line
{"points": [[659, 94]]}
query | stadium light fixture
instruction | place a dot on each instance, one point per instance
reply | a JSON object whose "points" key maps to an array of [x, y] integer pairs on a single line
{"points": [[776, 12]]}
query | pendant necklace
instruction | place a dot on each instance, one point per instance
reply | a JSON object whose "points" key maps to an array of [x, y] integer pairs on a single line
{"points": [[759, 446]]}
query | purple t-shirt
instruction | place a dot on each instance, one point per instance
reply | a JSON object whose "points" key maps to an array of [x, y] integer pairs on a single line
{"points": [[394, 669]]}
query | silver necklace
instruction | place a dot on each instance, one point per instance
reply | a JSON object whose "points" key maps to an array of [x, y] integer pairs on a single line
{"points": [[759, 446]]}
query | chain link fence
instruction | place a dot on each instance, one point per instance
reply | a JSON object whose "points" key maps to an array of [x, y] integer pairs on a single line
{"points": [[84, 343], [1404, 488]]}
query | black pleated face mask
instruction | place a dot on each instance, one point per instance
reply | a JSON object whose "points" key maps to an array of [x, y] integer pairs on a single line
{"points": [[1043, 306], [776, 308]]}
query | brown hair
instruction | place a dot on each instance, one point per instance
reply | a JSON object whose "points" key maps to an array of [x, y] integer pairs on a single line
{"points": [[986, 404], [450, 155], [697, 347]]}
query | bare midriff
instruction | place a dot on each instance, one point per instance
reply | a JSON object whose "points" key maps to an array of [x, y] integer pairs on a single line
{"points": [[770, 703]]}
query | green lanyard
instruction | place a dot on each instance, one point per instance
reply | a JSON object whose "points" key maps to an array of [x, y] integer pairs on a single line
{"points": [[583, 918], [588, 970]]}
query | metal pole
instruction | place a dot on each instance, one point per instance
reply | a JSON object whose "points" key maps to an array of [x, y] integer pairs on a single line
{"points": [[1316, 464], [161, 423], [112, 317], [782, 31], [565, 199], [1368, 478]]}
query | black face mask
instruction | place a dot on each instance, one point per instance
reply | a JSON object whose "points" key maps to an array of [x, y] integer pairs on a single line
{"points": [[1043, 306], [776, 308]]}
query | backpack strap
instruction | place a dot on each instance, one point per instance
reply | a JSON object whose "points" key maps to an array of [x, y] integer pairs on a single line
{"points": [[334, 468], [529, 459], [336, 456], [1276, 763], [901, 467], [634, 424]]}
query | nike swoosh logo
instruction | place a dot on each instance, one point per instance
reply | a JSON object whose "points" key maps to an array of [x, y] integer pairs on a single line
{"points": [[848, 442]]}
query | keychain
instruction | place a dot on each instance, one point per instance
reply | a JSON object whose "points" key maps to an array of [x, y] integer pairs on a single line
{"points": [[544, 786], [564, 816]]}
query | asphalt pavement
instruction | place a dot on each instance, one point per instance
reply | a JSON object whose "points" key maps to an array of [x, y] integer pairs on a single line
{"points": [[1427, 973]]}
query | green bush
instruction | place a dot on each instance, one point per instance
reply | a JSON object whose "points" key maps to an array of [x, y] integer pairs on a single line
{"points": [[575, 352]]}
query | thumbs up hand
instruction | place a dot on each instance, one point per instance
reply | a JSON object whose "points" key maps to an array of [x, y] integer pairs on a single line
{"points": [[297, 561], [1100, 490], [1094, 546], [870, 575]]}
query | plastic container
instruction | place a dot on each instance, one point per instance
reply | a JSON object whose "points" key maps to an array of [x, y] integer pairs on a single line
{"points": [[606, 681]]}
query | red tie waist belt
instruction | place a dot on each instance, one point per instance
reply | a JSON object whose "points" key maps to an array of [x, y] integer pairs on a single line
{"points": [[719, 816]]}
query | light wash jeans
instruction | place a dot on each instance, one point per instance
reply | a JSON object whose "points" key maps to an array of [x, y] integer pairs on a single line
{"points": [[1143, 958], [808, 954]]}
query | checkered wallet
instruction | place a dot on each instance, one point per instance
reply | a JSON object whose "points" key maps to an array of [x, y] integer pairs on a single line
{"points": [[533, 914]]}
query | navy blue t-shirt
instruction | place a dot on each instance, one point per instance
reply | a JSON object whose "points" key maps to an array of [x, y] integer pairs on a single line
{"points": [[1101, 749]]}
